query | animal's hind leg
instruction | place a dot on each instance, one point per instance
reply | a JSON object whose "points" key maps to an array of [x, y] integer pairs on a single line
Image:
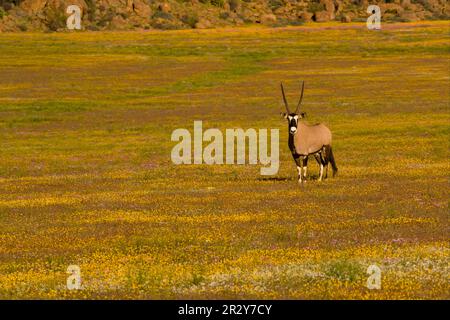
{"points": [[320, 161], [325, 159]]}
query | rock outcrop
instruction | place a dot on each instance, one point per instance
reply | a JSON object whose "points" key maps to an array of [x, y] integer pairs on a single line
{"points": [[50, 15]]}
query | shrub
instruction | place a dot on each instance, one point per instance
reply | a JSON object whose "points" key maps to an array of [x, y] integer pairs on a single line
{"points": [[165, 26], [285, 22], [275, 4], [90, 10], [56, 18], [162, 15], [344, 270], [234, 4], [106, 17], [218, 3], [190, 19], [22, 27], [224, 15], [314, 7]]}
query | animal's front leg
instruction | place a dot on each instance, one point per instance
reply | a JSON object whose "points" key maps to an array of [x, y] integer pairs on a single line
{"points": [[305, 167], [299, 170], [299, 163]]}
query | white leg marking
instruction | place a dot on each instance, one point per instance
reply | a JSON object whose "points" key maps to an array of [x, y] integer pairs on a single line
{"points": [[299, 169], [321, 172]]}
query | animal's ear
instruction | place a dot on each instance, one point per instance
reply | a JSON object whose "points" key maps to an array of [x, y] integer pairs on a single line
{"points": [[302, 115], [283, 115]]}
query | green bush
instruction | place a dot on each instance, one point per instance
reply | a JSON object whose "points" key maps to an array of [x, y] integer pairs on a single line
{"points": [[91, 10], [275, 4], [165, 26], [8, 4], [162, 15], [55, 18], [107, 16], [22, 27], [234, 4], [2, 13], [224, 15], [344, 270], [286, 22], [217, 3], [190, 19], [314, 7]]}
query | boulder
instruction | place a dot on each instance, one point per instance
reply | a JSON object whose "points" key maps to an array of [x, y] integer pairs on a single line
{"points": [[405, 3], [235, 5], [268, 19], [164, 7], [142, 9], [391, 8], [203, 24], [306, 16], [339, 7], [329, 5], [34, 7], [409, 16], [280, 11], [434, 5], [329, 8], [322, 16], [346, 18], [118, 23]]}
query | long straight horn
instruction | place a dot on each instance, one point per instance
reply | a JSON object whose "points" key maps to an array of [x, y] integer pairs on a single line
{"points": [[301, 98], [284, 99]]}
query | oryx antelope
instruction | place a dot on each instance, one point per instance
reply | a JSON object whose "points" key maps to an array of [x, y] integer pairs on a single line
{"points": [[306, 140]]}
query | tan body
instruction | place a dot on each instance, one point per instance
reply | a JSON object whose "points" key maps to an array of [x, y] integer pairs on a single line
{"points": [[310, 139]]}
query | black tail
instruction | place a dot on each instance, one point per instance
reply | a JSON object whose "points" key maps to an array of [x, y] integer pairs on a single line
{"points": [[331, 159]]}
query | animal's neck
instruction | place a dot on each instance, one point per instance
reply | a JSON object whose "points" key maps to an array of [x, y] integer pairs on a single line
{"points": [[291, 143], [300, 127]]}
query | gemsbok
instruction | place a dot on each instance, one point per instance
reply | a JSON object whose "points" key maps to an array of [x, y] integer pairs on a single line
{"points": [[306, 140]]}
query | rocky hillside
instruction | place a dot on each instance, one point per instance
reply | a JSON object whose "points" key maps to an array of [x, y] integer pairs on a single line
{"points": [[50, 15]]}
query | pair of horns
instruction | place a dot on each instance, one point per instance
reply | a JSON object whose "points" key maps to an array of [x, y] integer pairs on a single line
{"points": [[299, 102]]}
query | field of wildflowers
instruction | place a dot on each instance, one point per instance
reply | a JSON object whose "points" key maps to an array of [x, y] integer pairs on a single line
{"points": [[86, 177]]}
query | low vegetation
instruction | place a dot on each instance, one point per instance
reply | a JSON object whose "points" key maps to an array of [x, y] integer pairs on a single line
{"points": [[86, 177]]}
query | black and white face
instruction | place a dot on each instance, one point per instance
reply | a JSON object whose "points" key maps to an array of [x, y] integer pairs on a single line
{"points": [[292, 119], [293, 122]]}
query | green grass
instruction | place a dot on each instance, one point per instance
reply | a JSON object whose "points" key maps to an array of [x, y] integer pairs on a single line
{"points": [[86, 176]]}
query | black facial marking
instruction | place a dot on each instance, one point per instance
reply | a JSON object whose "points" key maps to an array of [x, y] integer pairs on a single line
{"points": [[292, 121]]}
